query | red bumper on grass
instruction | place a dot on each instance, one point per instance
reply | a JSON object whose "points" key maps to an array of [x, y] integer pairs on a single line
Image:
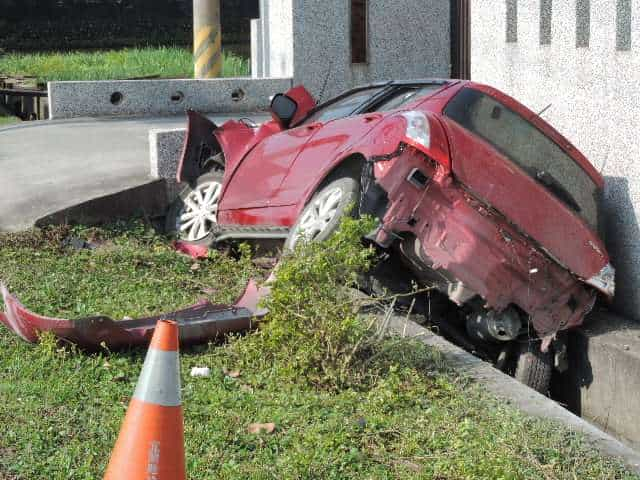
{"points": [[199, 323]]}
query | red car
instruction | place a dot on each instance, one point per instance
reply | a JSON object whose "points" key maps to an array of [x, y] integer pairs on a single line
{"points": [[482, 199]]}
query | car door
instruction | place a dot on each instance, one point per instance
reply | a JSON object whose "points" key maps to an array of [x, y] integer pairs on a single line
{"points": [[255, 182], [321, 153]]}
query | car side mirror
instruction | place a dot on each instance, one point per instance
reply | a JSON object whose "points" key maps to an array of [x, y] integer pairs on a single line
{"points": [[283, 109]]}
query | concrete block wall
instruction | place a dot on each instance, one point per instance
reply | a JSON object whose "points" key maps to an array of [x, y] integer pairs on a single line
{"points": [[161, 97], [588, 69], [311, 40]]}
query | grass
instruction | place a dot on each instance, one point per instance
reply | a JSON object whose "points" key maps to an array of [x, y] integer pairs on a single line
{"points": [[167, 62], [8, 120], [346, 403]]}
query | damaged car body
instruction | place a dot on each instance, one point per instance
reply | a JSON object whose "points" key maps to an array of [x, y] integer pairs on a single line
{"points": [[480, 198]]}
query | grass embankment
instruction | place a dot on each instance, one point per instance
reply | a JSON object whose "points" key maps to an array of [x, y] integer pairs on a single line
{"points": [[8, 120], [346, 404], [167, 62]]}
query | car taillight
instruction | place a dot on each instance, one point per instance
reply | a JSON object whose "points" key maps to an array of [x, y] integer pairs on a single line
{"points": [[604, 280], [418, 132]]}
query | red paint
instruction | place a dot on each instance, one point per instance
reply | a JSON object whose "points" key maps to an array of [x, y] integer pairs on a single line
{"points": [[194, 251], [482, 220], [305, 102], [479, 247], [198, 323]]}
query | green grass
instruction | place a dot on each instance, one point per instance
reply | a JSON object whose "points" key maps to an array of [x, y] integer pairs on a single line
{"points": [[8, 120], [392, 409], [167, 62]]}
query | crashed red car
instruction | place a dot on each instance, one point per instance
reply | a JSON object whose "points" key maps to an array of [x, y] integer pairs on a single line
{"points": [[483, 199]]}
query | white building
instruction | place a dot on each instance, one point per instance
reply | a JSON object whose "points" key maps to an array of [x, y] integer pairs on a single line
{"points": [[332, 45]]}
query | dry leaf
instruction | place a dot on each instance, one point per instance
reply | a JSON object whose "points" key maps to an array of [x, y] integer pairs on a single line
{"points": [[256, 428], [246, 388], [231, 373]]}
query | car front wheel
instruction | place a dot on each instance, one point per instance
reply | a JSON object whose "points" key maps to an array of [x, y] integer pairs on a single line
{"points": [[321, 216], [193, 215]]}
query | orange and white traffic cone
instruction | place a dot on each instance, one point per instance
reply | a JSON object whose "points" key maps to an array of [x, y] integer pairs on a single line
{"points": [[151, 441]]}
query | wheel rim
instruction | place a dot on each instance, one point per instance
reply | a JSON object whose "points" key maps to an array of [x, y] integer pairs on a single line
{"points": [[199, 212], [317, 215]]}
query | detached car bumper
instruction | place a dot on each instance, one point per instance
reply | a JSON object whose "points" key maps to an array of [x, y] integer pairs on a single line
{"points": [[199, 323]]}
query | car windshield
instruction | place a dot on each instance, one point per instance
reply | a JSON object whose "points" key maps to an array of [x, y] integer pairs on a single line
{"points": [[522, 143], [405, 95], [343, 107]]}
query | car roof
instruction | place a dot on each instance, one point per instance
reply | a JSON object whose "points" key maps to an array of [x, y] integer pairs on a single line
{"points": [[417, 81]]}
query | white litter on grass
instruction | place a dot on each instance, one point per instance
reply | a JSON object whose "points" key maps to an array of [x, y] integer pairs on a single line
{"points": [[200, 372]]}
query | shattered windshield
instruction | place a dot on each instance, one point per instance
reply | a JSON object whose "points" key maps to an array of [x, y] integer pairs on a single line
{"points": [[522, 143]]}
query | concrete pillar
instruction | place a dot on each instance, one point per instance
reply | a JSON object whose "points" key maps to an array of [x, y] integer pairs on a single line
{"points": [[257, 50], [207, 39]]}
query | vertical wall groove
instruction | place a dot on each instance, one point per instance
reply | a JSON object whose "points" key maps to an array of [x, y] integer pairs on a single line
{"points": [[546, 11], [512, 21], [583, 23], [623, 25]]}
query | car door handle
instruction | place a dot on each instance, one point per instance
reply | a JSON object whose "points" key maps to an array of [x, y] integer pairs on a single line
{"points": [[372, 117], [313, 126]]}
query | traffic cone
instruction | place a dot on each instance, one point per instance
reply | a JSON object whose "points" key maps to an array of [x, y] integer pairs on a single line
{"points": [[151, 441]]}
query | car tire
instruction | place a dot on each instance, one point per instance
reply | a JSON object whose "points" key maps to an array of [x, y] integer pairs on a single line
{"points": [[321, 217], [205, 210], [533, 367]]}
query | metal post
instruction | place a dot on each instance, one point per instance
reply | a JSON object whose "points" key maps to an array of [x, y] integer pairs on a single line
{"points": [[207, 39]]}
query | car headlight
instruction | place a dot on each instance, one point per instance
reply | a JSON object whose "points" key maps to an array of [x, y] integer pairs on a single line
{"points": [[417, 129], [604, 280]]}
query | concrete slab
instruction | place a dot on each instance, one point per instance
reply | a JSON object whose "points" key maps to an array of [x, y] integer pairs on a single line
{"points": [[162, 97], [602, 382], [52, 165]]}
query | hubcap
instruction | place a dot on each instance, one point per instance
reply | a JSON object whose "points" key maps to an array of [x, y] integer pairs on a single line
{"points": [[317, 215], [199, 213]]}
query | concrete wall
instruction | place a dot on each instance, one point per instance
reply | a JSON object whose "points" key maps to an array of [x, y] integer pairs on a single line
{"points": [[594, 92], [272, 40], [407, 39], [161, 97]]}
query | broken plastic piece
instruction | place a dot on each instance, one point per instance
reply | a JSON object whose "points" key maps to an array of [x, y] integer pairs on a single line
{"points": [[198, 323], [200, 372], [194, 251]]}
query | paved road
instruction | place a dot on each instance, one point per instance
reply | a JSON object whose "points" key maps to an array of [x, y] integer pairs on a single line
{"points": [[50, 165]]}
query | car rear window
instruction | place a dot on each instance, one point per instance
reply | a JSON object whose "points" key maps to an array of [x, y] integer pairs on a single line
{"points": [[522, 143]]}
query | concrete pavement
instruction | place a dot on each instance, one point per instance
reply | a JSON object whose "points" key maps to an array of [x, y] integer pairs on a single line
{"points": [[48, 166]]}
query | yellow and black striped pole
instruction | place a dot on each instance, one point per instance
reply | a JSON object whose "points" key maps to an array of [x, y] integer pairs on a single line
{"points": [[207, 39]]}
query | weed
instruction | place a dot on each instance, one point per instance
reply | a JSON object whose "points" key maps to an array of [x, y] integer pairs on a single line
{"points": [[345, 403], [165, 62]]}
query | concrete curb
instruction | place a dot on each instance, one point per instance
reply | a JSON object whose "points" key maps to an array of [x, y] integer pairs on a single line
{"points": [[161, 97], [515, 393], [149, 199]]}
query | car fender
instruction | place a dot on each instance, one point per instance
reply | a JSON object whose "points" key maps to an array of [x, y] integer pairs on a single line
{"points": [[384, 141], [237, 139]]}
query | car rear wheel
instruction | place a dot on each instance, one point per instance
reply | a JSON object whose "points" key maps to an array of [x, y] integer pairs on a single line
{"points": [[321, 216], [533, 367], [193, 215]]}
